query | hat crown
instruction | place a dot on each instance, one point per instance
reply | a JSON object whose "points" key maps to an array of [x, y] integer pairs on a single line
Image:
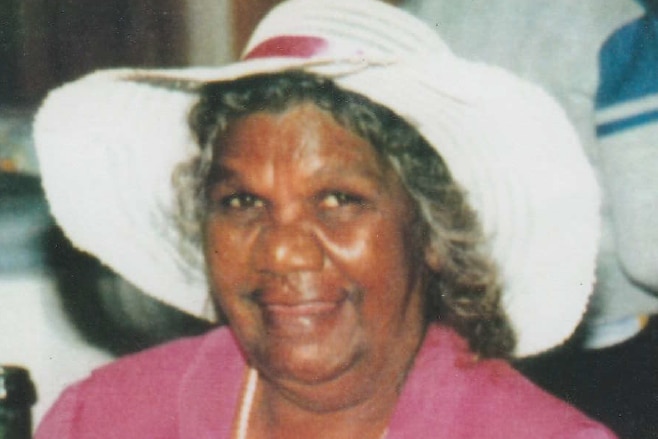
{"points": [[364, 29]]}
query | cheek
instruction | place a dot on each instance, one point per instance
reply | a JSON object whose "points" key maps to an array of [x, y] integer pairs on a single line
{"points": [[226, 258], [376, 254]]}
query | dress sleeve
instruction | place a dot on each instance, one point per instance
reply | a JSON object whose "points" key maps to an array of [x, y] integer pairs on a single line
{"points": [[58, 423]]}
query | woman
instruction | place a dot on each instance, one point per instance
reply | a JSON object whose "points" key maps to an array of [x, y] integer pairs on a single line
{"points": [[354, 190]]}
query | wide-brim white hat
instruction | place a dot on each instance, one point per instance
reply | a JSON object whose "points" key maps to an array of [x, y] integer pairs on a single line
{"points": [[108, 144]]}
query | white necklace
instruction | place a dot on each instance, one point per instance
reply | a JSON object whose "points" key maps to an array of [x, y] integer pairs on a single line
{"points": [[248, 402]]}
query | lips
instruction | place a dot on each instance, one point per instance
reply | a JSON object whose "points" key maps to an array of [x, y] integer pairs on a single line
{"points": [[307, 321], [290, 312], [309, 309]]}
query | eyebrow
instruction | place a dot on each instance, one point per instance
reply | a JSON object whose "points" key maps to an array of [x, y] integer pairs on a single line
{"points": [[218, 173]]}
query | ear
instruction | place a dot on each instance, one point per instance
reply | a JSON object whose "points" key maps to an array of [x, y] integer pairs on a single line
{"points": [[433, 258]]}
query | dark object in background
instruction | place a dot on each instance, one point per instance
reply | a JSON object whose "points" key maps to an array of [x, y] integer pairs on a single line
{"points": [[44, 43], [615, 385], [24, 223], [17, 395], [9, 35], [108, 311]]}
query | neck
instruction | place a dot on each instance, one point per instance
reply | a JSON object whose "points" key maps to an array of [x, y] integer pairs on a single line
{"points": [[276, 416], [349, 406]]}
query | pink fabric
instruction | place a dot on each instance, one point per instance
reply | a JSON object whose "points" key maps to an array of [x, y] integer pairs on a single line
{"points": [[288, 46], [451, 394], [189, 389]]}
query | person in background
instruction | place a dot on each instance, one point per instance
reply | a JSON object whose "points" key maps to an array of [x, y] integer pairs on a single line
{"points": [[375, 224], [627, 129], [608, 368]]}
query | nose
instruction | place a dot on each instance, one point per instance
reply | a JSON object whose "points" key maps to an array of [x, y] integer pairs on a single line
{"points": [[285, 249]]}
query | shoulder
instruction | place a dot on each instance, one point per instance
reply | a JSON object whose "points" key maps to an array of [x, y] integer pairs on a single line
{"points": [[492, 388], [484, 398], [138, 392]]}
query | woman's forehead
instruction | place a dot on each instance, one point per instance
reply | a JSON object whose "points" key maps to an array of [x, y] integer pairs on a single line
{"points": [[302, 133]]}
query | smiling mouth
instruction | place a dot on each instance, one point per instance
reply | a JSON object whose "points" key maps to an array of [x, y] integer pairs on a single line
{"points": [[311, 308], [299, 320]]}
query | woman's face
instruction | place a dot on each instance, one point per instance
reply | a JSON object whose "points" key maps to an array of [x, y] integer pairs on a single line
{"points": [[311, 251]]}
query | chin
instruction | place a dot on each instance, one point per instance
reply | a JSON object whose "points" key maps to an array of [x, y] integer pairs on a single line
{"points": [[319, 383], [310, 364]]}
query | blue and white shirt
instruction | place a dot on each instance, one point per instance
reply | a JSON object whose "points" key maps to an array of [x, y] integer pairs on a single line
{"points": [[626, 111], [627, 97]]}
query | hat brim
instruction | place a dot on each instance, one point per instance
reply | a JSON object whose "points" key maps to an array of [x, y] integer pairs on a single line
{"points": [[109, 143]]}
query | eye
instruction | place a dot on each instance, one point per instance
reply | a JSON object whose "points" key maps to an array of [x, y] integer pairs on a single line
{"points": [[241, 201], [336, 199]]}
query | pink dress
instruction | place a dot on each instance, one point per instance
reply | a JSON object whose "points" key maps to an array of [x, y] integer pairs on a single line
{"points": [[190, 389]]}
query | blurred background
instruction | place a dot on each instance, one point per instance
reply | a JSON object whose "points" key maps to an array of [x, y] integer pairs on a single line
{"points": [[61, 312]]}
